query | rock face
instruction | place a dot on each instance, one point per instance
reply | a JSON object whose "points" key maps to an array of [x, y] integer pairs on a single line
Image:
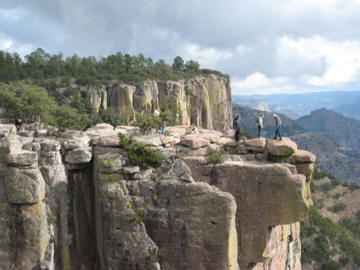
{"points": [[79, 202], [203, 101]]}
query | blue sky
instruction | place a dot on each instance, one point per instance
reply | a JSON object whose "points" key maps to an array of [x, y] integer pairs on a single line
{"points": [[277, 46]]}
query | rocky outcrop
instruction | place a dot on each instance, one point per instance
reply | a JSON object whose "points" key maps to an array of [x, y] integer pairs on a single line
{"points": [[121, 101], [203, 101], [78, 201]]}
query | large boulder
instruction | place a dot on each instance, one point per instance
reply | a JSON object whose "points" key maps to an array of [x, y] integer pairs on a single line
{"points": [[281, 148], [256, 145], [266, 194], [193, 225], [100, 130], [303, 156], [79, 156], [22, 159], [194, 141]]}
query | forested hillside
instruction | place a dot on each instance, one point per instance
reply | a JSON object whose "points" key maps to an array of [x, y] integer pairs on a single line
{"points": [[40, 65], [62, 91]]}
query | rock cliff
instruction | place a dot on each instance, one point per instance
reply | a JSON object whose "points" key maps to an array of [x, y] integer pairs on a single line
{"points": [[77, 201], [203, 101]]}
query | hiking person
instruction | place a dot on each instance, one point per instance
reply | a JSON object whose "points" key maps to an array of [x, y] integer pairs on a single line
{"points": [[260, 123], [236, 127], [278, 124], [18, 124]]}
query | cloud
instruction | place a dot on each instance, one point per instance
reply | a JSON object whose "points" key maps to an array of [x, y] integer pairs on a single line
{"points": [[266, 46], [259, 83]]}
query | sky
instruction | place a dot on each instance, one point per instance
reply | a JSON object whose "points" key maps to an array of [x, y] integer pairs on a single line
{"points": [[266, 46]]}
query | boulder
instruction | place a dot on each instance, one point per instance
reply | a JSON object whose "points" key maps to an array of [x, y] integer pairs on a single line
{"points": [[177, 131], [7, 129], [302, 156], [195, 218], [127, 130], [181, 171], [131, 169], [107, 141], [194, 141], [150, 140], [281, 148], [22, 159], [256, 145], [266, 194], [79, 156], [100, 130], [24, 186]]}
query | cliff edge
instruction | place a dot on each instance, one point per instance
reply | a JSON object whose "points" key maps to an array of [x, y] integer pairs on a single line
{"points": [[114, 198]]}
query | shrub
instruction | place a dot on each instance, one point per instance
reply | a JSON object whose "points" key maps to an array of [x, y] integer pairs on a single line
{"points": [[140, 154], [215, 156], [146, 122], [338, 207]]}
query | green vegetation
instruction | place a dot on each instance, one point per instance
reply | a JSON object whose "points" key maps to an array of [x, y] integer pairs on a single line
{"points": [[141, 155], [40, 66], [324, 240], [215, 156], [69, 80], [32, 103], [353, 224], [338, 207]]}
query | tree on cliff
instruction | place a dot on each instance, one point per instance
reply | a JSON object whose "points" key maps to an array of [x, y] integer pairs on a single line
{"points": [[178, 64], [40, 66], [32, 103]]}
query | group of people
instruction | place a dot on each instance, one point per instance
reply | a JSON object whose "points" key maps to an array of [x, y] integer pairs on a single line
{"points": [[259, 124]]}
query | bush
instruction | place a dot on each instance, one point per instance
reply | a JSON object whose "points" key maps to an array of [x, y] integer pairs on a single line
{"points": [[338, 207], [141, 155], [146, 122], [215, 156], [67, 117]]}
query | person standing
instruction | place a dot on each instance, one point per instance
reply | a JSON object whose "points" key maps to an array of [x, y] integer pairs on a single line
{"points": [[260, 123], [278, 124], [236, 127]]}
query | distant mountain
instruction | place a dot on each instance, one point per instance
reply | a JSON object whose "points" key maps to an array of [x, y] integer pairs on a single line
{"points": [[297, 105], [344, 130], [334, 138], [350, 110]]}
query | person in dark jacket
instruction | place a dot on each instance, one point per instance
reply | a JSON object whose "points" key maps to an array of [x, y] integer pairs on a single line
{"points": [[18, 124], [236, 127]]}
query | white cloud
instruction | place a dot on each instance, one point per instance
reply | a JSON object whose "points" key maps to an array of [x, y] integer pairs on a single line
{"points": [[266, 46], [9, 45], [259, 83], [208, 57], [341, 59]]}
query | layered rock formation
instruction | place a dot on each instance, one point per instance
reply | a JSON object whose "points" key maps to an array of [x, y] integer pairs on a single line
{"points": [[77, 201], [203, 101]]}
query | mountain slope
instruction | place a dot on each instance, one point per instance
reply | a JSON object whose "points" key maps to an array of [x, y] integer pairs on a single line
{"points": [[331, 238], [343, 129]]}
